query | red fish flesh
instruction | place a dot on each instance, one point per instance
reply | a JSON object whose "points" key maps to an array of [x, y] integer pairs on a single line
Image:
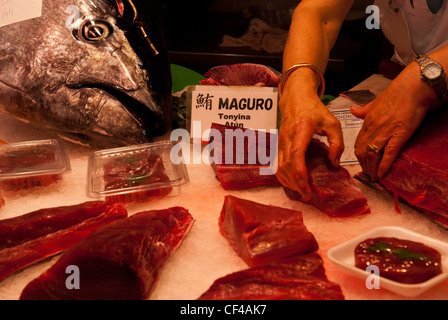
{"points": [[119, 261], [261, 234], [39, 223], [27, 227], [333, 190], [242, 74], [239, 168], [15, 161], [419, 176], [400, 260], [295, 278], [133, 171], [23, 255]]}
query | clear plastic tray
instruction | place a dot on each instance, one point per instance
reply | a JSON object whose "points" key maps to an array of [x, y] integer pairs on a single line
{"points": [[32, 163], [343, 257], [135, 173]]}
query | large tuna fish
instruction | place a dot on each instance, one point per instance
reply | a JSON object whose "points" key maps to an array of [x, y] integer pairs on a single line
{"points": [[95, 71]]}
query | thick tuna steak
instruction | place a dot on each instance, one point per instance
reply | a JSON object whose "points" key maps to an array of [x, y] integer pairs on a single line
{"points": [[296, 278], [242, 74], [120, 261], [238, 166], [261, 234], [94, 71], [419, 176], [333, 190]]}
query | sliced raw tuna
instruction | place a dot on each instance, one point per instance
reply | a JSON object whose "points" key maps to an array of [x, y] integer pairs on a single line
{"points": [[120, 261], [132, 172], [242, 74], [399, 260], [333, 190], [2, 201], [261, 233], [240, 167], [295, 278], [419, 176], [28, 253], [36, 224]]}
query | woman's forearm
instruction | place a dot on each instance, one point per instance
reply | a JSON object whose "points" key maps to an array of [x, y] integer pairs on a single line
{"points": [[314, 29]]}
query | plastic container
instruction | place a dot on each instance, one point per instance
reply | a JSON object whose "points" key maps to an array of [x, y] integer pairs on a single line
{"points": [[32, 164], [343, 257], [135, 173]]}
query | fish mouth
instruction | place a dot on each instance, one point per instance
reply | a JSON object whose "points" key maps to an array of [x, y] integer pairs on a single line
{"points": [[138, 120]]}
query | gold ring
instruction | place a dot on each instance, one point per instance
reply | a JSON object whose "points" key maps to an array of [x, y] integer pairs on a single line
{"points": [[372, 148]]}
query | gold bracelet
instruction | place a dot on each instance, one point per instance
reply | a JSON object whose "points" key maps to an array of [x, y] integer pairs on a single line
{"points": [[319, 76]]}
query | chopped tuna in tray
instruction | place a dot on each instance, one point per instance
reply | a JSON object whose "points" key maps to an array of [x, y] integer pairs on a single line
{"points": [[400, 260]]}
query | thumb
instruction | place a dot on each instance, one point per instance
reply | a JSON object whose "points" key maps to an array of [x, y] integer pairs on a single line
{"points": [[359, 112]]}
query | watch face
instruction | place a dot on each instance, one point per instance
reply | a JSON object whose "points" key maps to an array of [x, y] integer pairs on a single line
{"points": [[432, 71]]}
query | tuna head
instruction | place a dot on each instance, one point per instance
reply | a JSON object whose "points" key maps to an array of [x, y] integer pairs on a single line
{"points": [[95, 71]]}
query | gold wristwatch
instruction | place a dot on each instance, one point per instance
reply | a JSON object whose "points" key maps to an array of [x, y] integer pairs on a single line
{"points": [[433, 74]]}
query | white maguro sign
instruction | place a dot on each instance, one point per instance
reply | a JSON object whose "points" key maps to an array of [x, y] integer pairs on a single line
{"points": [[13, 11], [245, 107]]}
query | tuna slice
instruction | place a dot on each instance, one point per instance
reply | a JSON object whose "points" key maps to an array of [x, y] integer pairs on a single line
{"points": [[333, 190], [16, 258], [239, 167], [261, 234], [295, 278], [39, 223], [419, 176], [242, 74], [119, 261]]}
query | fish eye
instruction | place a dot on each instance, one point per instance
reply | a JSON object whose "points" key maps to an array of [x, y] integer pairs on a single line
{"points": [[93, 31]]}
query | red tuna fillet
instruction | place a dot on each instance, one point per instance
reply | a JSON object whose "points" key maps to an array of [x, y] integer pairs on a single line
{"points": [[420, 173], [333, 190], [2, 201], [120, 261], [295, 278], [28, 253], [36, 224], [261, 234], [240, 169], [242, 74]]}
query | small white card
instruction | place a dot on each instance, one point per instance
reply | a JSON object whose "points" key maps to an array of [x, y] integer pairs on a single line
{"points": [[249, 107], [350, 129], [13, 11]]}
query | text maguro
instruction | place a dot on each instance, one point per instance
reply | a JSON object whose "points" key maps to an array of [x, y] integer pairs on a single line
{"points": [[245, 104]]}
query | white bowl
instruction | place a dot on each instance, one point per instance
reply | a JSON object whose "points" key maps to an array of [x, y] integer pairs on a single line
{"points": [[343, 257]]}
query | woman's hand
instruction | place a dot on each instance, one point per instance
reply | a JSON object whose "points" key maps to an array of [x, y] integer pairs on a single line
{"points": [[302, 117], [390, 120]]}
